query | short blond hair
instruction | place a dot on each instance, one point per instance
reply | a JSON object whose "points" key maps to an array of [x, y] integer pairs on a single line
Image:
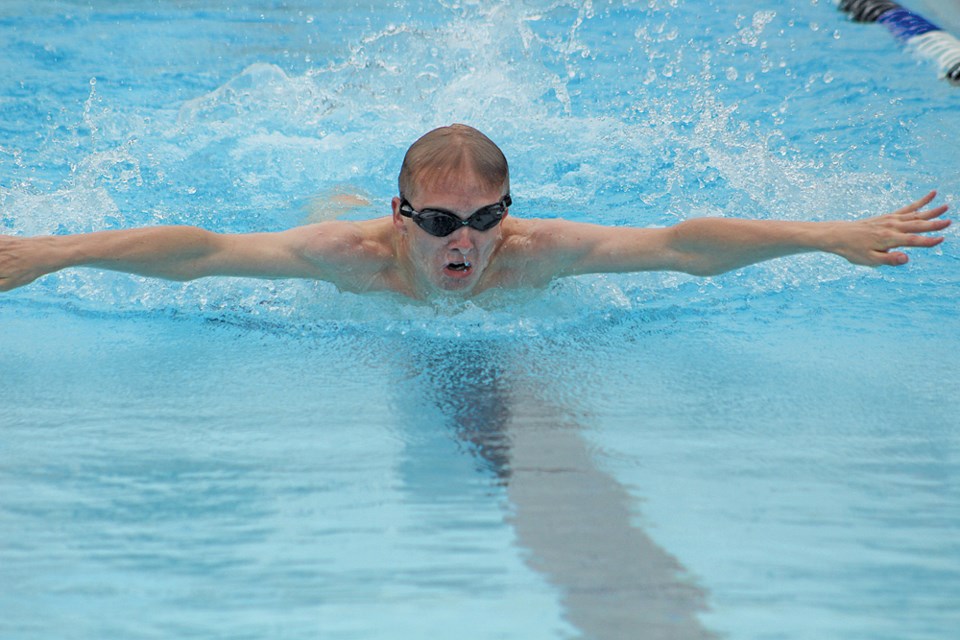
{"points": [[444, 154]]}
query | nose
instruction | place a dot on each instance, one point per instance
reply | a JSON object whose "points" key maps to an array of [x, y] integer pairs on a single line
{"points": [[461, 240]]}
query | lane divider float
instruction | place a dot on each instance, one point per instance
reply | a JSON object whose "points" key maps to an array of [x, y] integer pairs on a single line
{"points": [[912, 29]]}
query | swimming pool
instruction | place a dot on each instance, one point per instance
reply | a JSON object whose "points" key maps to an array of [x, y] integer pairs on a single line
{"points": [[772, 453]]}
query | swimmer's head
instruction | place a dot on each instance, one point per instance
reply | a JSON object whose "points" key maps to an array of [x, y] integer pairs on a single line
{"points": [[456, 157], [458, 170]]}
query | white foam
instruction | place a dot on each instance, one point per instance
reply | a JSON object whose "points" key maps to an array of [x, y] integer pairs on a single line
{"points": [[243, 156]]}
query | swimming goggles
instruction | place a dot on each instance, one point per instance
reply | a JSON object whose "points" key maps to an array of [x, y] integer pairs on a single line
{"points": [[441, 223]]}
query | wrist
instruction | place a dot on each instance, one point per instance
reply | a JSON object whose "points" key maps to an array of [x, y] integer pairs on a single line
{"points": [[827, 236], [61, 252]]}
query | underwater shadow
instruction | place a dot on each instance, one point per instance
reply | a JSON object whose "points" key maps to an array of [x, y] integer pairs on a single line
{"points": [[574, 521]]}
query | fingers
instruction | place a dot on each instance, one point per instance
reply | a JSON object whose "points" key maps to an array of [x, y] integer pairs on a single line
{"points": [[910, 208], [936, 212], [920, 241], [891, 258], [907, 240], [897, 258], [922, 225]]}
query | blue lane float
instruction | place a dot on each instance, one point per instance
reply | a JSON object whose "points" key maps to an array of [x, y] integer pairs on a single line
{"points": [[915, 31]]}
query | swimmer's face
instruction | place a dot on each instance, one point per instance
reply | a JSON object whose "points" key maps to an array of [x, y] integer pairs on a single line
{"points": [[453, 263]]}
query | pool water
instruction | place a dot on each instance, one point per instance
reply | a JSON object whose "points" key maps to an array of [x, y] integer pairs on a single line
{"points": [[771, 453]]}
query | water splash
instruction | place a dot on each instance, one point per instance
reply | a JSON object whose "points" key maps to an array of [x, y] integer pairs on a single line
{"points": [[635, 114]]}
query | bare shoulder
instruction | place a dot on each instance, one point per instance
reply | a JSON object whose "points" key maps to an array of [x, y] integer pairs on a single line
{"points": [[534, 251], [553, 239], [536, 234], [355, 256], [557, 232], [340, 241], [563, 247]]}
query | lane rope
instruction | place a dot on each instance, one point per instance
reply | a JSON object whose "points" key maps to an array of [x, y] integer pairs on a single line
{"points": [[913, 30]]}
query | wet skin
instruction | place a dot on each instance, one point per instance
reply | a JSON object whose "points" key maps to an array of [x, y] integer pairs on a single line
{"points": [[456, 263]]}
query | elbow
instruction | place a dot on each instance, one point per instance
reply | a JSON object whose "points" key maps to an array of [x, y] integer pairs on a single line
{"points": [[703, 270], [194, 256], [689, 254], [698, 265], [180, 276]]}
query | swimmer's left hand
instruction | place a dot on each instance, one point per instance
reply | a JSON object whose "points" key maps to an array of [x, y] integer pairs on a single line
{"points": [[871, 241]]}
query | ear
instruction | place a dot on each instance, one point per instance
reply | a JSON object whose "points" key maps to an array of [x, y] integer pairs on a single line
{"points": [[399, 223]]}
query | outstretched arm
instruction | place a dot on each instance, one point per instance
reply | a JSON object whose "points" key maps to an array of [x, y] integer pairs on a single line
{"points": [[709, 246], [185, 253]]}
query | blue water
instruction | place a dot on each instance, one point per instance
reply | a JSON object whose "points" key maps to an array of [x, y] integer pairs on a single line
{"points": [[772, 453]]}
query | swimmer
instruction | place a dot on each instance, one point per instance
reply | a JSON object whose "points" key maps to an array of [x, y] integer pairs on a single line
{"points": [[450, 234]]}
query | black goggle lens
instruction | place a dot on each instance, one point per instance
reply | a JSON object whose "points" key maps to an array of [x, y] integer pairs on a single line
{"points": [[441, 223]]}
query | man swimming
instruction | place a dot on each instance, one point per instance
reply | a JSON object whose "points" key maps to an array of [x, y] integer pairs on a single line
{"points": [[450, 234]]}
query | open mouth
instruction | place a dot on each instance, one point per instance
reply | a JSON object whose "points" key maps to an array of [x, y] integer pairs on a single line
{"points": [[458, 266], [458, 269]]}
